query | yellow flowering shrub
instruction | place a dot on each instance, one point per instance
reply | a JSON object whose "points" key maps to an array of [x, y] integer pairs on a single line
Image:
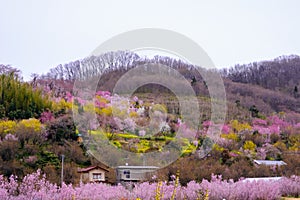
{"points": [[102, 99], [230, 136], [61, 105], [249, 145], [89, 107], [218, 148], [133, 114], [8, 126], [238, 127], [30, 124], [295, 147], [294, 142], [107, 111], [280, 145]]}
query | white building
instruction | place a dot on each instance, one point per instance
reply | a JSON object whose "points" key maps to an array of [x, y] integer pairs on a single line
{"points": [[127, 173]]}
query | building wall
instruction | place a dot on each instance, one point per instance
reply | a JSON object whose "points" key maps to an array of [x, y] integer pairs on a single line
{"points": [[132, 174], [96, 171], [88, 176]]}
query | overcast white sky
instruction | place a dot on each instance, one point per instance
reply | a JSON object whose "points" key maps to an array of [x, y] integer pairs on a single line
{"points": [[36, 35]]}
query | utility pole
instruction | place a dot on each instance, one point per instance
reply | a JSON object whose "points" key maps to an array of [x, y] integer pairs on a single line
{"points": [[62, 169]]}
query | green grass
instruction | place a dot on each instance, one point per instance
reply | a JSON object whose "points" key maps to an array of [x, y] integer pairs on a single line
{"points": [[126, 135], [186, 150]]}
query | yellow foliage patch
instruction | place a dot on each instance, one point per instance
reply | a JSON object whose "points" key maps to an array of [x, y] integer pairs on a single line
{"points": [[218, 148], [238, 127], [8, 126], [230, 136], [102, 99], [61, 105], [106, 111], [133, 114], [249, 145], [31, 124]]}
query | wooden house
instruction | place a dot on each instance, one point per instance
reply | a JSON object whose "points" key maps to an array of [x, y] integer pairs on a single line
{"points": [[93, 174]]}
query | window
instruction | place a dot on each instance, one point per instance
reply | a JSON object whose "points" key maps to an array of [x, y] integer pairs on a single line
{"points": [[97, 176], [127, 173]]}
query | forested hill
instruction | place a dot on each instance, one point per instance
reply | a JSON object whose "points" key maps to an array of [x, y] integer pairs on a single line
{"points": [[282, 73], [272, 86]]}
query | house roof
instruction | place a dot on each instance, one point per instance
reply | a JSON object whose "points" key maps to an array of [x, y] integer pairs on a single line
{"points": [[269, 162], [91, 168], [136, 167], [262, 179]]}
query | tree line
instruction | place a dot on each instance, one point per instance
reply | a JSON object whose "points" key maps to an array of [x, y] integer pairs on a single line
{"points": [[282, 73], [18, 100]]}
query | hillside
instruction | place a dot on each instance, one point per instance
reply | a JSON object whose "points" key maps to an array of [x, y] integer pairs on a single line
{"points": [[280, 74], [262, 121], [272, 86]]}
